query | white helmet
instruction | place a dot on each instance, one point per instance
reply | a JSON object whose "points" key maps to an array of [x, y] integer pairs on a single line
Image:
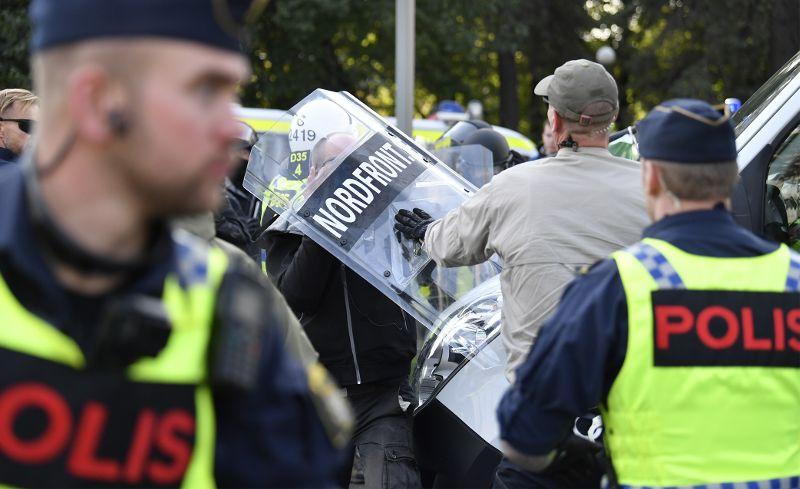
{"points": [[316, 120]]}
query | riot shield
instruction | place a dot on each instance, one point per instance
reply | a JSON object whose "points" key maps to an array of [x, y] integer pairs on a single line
{"points": [[473, 162], [341, 179]]}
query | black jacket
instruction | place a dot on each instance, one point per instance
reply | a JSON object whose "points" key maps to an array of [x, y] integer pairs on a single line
{"points": [[361, 335]]}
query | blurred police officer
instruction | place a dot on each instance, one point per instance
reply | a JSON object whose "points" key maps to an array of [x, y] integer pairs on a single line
{"points": [[689, 340], [237, 220], [547, 219], [18, 113], [134, 355], [548, 147]]}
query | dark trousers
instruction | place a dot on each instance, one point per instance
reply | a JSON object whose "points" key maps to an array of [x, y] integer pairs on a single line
{"points": [[578, 467], [383, 447]]}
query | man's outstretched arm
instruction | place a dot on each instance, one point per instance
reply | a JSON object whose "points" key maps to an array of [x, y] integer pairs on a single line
{"points": [[461, 237]]}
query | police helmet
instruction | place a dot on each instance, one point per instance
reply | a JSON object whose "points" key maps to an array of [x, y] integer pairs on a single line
{"points": [[316, 120], [247, 137], [455, 135], [491, 140]]}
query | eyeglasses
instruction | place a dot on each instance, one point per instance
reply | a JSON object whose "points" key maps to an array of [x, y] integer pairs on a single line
{"points": [[25, 125]]}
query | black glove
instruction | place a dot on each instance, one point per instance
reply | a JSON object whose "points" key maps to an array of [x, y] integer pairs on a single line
{"points": [[412, 225]]}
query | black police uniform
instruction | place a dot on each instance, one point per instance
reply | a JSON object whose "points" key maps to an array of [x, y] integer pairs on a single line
{"points": [[269, 436], [581, 348], [265, 428]]}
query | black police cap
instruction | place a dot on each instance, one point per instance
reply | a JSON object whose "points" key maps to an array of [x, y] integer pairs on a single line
{"points": [[214, 23], [686, 131]]}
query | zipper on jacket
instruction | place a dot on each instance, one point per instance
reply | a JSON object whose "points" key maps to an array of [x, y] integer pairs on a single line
{"points": [[350, 324]]}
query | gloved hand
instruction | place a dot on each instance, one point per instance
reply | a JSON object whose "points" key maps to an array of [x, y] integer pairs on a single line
{"points": [[412, 225]]}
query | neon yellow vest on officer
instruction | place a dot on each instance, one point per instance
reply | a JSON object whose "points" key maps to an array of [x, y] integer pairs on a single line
{"points": [[152, 426], [689, 424]]}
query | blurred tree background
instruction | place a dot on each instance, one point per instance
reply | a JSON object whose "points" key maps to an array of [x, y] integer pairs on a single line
{"points": [[495, 50]]}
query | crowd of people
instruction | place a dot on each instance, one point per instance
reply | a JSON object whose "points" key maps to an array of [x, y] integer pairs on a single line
{"points": [[140, 354]]}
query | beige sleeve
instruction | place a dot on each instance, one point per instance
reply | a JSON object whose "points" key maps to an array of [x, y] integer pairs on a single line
{"points": [[461, 237]]}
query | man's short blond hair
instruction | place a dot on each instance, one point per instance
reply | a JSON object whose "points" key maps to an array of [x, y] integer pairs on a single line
{"points": [[50, 68], [10, 96], [699, 181]]}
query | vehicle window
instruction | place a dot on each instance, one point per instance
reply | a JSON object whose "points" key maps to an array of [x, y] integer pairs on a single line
{"points": [[764, 95], [782, 209]]}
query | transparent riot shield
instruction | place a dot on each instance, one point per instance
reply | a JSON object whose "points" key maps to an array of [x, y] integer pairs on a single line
{"points": [[473, 162], [336, 172]]}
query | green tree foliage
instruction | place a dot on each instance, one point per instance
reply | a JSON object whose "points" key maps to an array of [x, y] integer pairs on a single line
{"points": [[349, 45], [556, 35], [693, 48], [14, 35], [496, 50]]}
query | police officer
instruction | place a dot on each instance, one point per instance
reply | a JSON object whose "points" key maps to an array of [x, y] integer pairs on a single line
{"points": [[688, 340], [547, 219], [548, 147], [133, 355], [237, 220], [503, 157]]}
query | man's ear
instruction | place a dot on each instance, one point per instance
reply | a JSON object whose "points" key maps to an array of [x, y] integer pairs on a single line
{"points": [[91, 96], [651, 179], [557, 124]]}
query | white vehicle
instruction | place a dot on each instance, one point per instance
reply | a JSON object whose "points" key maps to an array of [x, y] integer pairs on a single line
{"points": [[767, 200]]}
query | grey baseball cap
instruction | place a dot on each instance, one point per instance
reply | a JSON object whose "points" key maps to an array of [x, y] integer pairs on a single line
{"points": [[582, 91]]}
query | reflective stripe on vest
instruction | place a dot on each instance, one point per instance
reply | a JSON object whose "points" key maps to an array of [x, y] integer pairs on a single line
{"points": [[79, 406], [709, 392], [666, 277], [657, 266], [783, 483]]}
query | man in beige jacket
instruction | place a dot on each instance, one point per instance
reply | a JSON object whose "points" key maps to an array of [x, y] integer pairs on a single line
{"points": [[547, 218]]}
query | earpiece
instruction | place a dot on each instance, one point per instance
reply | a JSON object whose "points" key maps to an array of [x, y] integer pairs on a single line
{"points": [[118, 123]]}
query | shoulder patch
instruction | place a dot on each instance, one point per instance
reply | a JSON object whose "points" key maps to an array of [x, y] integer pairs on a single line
{"points": [[191, 257], [584, 269], [333, 409], [793, 274]]}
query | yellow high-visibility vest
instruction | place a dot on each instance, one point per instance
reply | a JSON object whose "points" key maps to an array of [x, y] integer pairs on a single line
{"points": [[709, 392], [150, 425]]}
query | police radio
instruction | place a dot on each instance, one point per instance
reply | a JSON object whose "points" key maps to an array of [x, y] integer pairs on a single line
{"points": [[240, 315], [131, 327]]}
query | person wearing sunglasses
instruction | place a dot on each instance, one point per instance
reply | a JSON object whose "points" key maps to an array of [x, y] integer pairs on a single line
{"points": [[19, 110]]}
